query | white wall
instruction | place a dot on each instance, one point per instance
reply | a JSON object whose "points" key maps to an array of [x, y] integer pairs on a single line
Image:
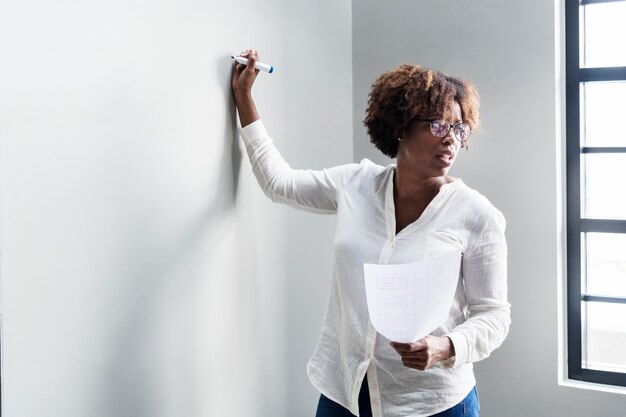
{"points": [[143, 272], [507, 48]]}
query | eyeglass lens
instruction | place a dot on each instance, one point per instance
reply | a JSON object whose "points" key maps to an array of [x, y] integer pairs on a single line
{"points": [[441, 129]]}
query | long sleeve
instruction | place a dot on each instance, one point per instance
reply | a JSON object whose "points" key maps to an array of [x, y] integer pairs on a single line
{"points": [[311, 190], [484, 269]]}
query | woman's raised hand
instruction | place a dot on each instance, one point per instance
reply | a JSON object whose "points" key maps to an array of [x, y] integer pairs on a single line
{"points": [[244, 75], [242, 80]]}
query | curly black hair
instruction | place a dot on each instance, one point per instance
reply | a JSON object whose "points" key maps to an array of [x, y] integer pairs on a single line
{"points": [[412, 91]]}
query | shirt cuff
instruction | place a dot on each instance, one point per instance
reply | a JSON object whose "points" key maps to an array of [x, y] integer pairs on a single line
{"points": [[254, 132], [460, 350]]}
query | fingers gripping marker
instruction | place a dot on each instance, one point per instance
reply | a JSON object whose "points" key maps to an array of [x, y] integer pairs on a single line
{"points": [[257, 65]]}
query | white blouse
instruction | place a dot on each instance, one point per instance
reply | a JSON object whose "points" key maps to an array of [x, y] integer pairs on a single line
{"points": [[362, 197]]}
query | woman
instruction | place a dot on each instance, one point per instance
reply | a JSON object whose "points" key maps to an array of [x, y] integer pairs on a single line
{"points": [[397, 214]]}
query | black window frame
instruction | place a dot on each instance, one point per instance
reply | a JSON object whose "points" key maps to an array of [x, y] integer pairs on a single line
{"points": [[576, 224]]}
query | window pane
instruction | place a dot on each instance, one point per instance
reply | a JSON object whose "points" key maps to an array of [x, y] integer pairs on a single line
{"points": [[603, 35], [605, 337], [603, 181], [603, 112], [606, 265]]}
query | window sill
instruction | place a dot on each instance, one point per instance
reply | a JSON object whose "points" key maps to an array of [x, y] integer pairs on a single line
{"points": [[570, 383]]}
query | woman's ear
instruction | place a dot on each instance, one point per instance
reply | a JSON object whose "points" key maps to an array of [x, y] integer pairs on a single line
{"points": [[406, 131], [403, 133]]}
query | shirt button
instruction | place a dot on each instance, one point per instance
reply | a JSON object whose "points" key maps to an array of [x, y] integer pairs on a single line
{"points": [[375, 386]]}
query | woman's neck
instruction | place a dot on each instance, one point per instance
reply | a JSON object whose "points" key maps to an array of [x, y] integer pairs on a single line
{"points": [[409, 184]]}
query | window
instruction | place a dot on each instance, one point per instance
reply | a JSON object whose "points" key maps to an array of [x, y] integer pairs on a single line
{"points": [[596, 190]]}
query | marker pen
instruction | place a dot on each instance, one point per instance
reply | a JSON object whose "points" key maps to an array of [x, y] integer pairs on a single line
{"points": [[258, 65]]}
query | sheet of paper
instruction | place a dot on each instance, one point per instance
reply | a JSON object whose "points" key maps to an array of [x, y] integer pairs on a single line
{"points": [[408, 301]]}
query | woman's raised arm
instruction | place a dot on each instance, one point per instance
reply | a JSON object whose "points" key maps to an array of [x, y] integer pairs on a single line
{"points": [[312, 190]]}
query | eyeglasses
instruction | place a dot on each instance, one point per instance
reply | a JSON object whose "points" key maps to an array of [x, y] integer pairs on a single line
{"points": [[440, 129]]}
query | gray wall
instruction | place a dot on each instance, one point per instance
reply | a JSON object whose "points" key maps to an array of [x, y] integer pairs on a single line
{"points": [[508, 49], [143, 272]]}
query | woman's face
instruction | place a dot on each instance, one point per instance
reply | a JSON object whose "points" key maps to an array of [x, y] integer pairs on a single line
{"points": [[426, 154]]}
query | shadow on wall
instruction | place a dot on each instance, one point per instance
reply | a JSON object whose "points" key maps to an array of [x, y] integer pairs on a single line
{"points": [[224, 71], [131, 384]]}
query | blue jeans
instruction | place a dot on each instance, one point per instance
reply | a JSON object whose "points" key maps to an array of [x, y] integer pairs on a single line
{"points": [[468, 407]]}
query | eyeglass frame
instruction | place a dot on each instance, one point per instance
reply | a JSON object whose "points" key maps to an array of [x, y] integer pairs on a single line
{"points": [[450, 127]]}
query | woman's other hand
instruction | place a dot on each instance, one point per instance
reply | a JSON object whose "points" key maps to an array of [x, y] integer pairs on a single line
{"points": [[425, 352], [241, 82]]}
